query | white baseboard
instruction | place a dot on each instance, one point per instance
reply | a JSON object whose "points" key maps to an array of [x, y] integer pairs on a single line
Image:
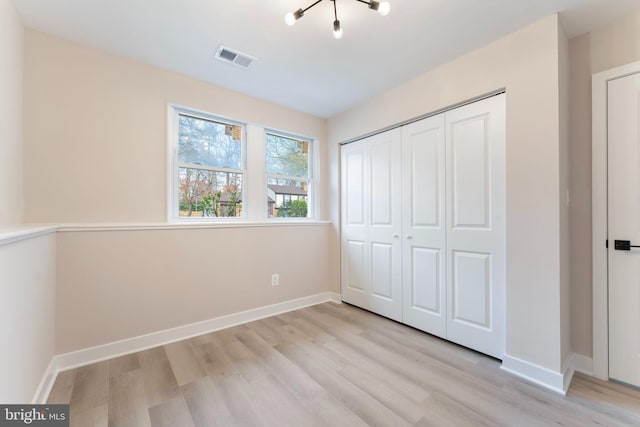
{"points": [[537, 374], [556, 381], [87, 356], [46, 384], [576, 363], [581, 363]]}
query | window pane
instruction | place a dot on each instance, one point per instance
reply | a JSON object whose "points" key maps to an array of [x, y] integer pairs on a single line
{"points": [[287, 156], [204, 142], [204, 193], [287, 198]]}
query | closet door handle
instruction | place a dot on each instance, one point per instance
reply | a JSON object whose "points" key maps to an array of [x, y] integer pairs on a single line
{"points": [[395, 236], [409, 237]]}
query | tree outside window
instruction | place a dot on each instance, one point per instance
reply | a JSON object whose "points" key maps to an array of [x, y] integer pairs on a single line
{"points": [[288, 167], [210, 168]]}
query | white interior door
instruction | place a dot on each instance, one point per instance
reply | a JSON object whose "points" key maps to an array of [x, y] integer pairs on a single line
{"points": [[476, 228], [624, 225], [423, 224], [371, 224]]}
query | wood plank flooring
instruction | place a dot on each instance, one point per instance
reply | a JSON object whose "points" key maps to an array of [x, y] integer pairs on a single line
{"points": [[327, 365]]}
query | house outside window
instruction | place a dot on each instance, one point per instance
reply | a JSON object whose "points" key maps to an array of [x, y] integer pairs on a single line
{"points": [[288, 175]]}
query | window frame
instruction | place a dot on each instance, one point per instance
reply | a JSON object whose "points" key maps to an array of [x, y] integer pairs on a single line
{"points": [[309, 178], [174, 164]]}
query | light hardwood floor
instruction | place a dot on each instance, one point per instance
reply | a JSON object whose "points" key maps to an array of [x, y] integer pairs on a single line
{"points": [[327, 365]]}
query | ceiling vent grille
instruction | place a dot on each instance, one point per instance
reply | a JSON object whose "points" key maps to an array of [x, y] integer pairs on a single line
{"points": [[234, 57]]}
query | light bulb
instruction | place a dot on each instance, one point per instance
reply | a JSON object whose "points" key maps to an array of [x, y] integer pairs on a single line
{"points": [[289, 18], [337, 30], [384, 8]]}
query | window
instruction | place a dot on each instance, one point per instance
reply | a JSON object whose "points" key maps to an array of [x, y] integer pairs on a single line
{"points": [[288, 168], [211, 167], [212, 159]]}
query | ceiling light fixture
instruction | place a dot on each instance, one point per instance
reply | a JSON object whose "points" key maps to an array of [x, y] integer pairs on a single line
{"points": [[383, 8]]}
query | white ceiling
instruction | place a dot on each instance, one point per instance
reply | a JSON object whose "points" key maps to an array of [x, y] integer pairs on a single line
{"points": [[303, 67]]}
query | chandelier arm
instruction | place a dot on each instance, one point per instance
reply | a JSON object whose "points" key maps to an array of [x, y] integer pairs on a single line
{"points": [[309, 7]]}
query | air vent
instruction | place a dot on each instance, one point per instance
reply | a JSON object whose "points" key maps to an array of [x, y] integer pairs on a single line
{"points": [[234, 57]]}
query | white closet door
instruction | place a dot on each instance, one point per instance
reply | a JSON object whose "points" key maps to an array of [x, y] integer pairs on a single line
{"points": [[355, 262], [424, 225], [371, 224], [476, 231]]}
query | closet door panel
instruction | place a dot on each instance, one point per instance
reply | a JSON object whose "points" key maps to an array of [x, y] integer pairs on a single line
{"points": [[424, 247], [476, 230], [354, 201], [371, 271], [425, 164], [471, 288], [382, 271], [355, 266], [385, 183], [426, 272], [470, 166], [354, 240], [382, 184]]}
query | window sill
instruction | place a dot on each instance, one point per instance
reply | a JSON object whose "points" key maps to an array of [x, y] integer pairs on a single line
{"points": [[188, 224]]}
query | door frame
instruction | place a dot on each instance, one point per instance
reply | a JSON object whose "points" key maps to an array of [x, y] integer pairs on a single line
{"points": [[599, 222]]}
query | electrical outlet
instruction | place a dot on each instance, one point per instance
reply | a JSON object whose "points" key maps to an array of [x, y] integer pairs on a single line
{"points": [[275, 279]]}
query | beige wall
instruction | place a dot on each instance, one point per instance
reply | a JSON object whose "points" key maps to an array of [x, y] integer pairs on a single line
{"points": [[526, 64], [96, 143], [95, 151], [27, 300], [580, 143], [610, 46], [615, 44], [11, 52], [120, 284]]}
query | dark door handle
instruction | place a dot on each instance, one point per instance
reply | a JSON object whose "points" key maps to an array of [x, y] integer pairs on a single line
{"points": [[624, 245]]}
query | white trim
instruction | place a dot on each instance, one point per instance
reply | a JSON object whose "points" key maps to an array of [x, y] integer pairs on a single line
{"points": [[555, 381], [335, 297], [576, 363], [187, 225], [552, 380], [172, 162], [46, 383], [599, 218], [131, 345], [581, 363], [16, 235]]}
